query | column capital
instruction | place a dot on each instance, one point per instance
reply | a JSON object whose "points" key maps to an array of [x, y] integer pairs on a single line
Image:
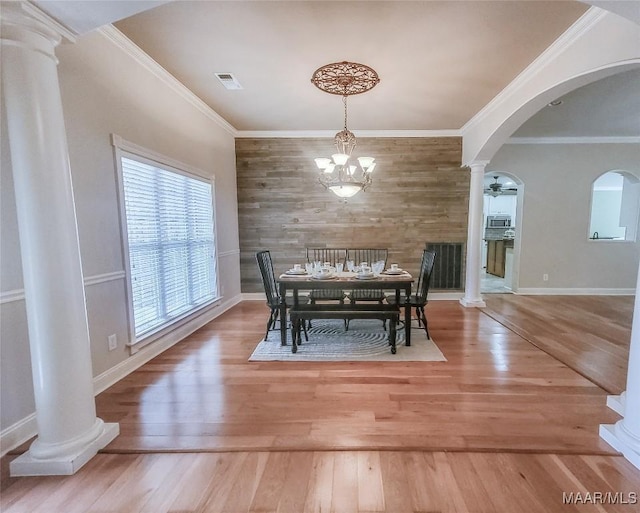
{"points": [[26, 26], [477, 164]]}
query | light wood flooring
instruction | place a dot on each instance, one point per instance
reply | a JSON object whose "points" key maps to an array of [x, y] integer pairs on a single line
{"points": [[588, 333], [502, 426]]}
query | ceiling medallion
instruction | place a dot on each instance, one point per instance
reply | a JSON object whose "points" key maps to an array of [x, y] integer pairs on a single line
{"points": [[345, 78], [338, 174]]}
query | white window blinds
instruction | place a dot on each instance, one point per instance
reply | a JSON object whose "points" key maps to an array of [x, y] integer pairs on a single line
{"points": [[171, 243]]}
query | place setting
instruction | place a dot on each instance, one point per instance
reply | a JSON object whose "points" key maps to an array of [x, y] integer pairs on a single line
{"points": [[297, 270], [394, 270], [324, 270], [316, 270], [364, 271]]}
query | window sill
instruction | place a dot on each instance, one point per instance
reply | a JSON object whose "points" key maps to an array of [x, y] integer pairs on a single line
{"points": [[173, 325], [606, 239]]}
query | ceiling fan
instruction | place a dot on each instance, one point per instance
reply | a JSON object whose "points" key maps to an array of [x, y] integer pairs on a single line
{"points": [[496, 188]]}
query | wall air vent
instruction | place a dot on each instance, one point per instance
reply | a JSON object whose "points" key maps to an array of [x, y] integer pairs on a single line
{"points": [[228, 80]]}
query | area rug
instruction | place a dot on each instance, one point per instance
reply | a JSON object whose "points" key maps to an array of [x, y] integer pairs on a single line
{"points": [[366, 340]]}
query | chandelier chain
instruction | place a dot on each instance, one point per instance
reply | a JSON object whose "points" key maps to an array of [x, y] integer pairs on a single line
{"points": [[344, 100]]}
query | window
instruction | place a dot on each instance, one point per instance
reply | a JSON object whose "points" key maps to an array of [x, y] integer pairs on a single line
{"points": [[614, 207], [171, 247]]}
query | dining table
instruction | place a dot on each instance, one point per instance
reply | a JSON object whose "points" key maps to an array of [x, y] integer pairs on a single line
{"points": [[347, 280]]}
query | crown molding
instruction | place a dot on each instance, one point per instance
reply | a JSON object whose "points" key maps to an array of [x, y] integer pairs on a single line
{"points": [[135, 52], [573, 140], [585, 23], [330, 134], [51, 23]]}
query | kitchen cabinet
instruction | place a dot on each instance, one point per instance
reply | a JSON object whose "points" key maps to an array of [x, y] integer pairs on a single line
{"points": [[496, 256]]}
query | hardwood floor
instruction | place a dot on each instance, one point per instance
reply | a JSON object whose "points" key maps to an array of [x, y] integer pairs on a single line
{"points": [[501, 426], [323, 482], [588, 333], [493, 394]]}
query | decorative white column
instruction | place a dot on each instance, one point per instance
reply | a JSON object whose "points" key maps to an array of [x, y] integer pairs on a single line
{"points": [[472, 297], [69, 433], [624, 435]]}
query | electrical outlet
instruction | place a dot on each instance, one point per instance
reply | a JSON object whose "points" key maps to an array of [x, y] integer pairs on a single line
{"points": [[545, 277], [113, 342]]}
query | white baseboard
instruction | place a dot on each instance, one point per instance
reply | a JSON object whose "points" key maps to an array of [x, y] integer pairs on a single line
{"points": [[616, 403], [253, 296], [574, 292], [613, 437], [18, 433], [26, 428], [445, 296], [136, 360]]}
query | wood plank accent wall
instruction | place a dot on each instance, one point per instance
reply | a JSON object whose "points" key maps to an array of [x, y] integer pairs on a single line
{"points": [[419, 194]]}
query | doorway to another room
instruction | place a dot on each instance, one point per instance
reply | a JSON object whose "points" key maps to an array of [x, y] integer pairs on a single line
{"points": [[500, 234]]}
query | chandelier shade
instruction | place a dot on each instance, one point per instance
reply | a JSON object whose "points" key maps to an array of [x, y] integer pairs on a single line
{"points": [[341, 174]]}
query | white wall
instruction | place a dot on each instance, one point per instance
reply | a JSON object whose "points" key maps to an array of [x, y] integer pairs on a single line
{"points": [[557, 182], [104, 91]]}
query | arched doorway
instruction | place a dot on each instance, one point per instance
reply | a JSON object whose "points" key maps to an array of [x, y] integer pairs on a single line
{"points": [[502, 214], [578, 59]]}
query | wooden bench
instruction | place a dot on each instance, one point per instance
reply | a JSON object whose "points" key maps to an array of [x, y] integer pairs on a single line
{"points": [[307, 312]]}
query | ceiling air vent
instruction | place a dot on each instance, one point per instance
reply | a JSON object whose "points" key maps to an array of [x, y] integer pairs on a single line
{"points": [[228, 80]]}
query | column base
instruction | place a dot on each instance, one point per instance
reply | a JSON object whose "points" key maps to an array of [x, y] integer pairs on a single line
{"points": [[27, 465], [611, 433], [472, 303]]}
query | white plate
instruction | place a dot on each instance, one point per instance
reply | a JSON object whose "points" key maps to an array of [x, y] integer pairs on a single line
{"points": [[366, 276], [293, 271], [391, 271], [320, 277]]}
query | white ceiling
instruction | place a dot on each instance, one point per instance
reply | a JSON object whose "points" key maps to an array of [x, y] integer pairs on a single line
{"points": [[81, 17], [439, 62]]}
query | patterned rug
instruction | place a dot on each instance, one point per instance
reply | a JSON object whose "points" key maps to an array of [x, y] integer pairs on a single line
{"points": [[366, 340]]}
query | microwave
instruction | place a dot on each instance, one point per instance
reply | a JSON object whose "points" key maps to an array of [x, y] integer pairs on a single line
{"points": [[503, 221]]}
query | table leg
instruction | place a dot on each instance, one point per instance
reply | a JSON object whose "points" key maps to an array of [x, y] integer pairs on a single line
{"points": [[392, 334], [295, 334], [407, 318], [283, 314]]}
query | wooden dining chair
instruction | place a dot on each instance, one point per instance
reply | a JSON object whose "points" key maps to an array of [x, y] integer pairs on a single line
{"points": [[333, 256], [271, 290], [370, 256], [419, 299]]}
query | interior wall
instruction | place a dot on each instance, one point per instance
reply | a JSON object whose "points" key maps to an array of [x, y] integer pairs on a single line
{"points": [[557, 182], [105, 91], [419, 194]]}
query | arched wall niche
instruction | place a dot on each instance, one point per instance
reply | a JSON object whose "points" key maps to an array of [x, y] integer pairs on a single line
{"points": [[614, 207]]}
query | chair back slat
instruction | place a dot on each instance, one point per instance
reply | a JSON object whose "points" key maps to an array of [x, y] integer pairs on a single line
{"points": [[426, 269], [368, 255], [268, 276], [332, 255]]}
